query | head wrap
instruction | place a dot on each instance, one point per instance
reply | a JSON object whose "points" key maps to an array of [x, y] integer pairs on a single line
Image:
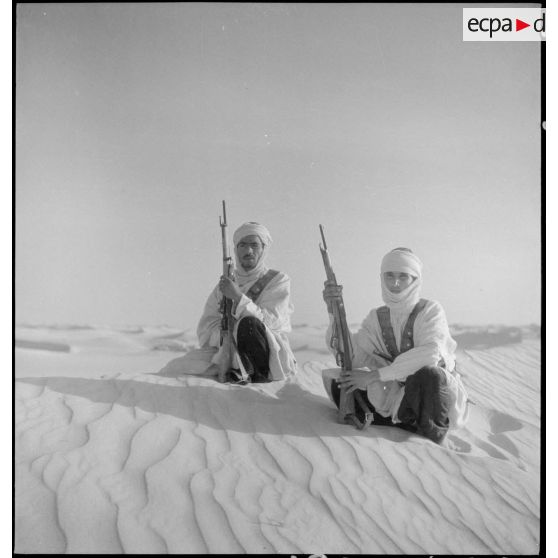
{"points": [[402, 260], [249, 228], [247, 276]]}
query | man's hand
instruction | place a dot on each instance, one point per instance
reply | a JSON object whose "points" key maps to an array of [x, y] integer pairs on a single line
{"points": [[229, 289], [357, 379], [332, 293]]}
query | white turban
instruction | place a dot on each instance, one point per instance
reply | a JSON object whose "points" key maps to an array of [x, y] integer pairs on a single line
{"points": [[402, 260], [250, 228], [244, 277]]}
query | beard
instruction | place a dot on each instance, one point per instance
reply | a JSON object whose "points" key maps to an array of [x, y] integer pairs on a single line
{"points": [[249, 263]]}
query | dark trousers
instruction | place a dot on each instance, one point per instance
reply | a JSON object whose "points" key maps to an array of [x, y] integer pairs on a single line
{"points": [[253, 348], [425, 403], [424, 408]]}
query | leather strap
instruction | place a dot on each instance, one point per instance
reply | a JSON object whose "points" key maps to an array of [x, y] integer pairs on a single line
{"points": [[387, 331], [407, 341], [256, 289]]}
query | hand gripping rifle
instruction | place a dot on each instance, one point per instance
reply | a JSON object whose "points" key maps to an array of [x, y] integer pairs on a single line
{"points": [[340, 343], [227, 319]]}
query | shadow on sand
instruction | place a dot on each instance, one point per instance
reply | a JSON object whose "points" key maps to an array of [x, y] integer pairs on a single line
{"points": [[249, 409]]}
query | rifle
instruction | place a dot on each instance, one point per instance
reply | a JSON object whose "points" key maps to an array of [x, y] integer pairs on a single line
{"points": [[344, 350], [227, 319]]}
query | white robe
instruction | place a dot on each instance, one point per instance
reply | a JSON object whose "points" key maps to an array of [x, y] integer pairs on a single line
{"points": [[272, 307], [432, 342]]}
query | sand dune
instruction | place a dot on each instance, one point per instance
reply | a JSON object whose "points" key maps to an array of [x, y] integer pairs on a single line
{"points": [[113, 457]]}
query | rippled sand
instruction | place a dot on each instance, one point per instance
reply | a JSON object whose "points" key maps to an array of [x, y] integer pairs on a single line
{"points": [[112, 457]]}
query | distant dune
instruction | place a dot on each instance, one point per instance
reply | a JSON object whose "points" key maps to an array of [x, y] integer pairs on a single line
{"points": [[42, 345]]}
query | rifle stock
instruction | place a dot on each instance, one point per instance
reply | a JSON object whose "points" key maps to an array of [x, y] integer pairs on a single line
{"points": [[343, 350]]}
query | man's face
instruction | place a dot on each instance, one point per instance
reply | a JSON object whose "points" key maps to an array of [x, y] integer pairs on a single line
{"points": [[249, 251], [397, 282]]}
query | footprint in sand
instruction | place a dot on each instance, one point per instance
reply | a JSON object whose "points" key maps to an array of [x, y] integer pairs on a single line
{"points": [[499, 424], [503, 442], [496, 444], [455, 443], [490, 449]]}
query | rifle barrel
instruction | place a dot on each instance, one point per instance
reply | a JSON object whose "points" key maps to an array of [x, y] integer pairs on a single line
{"points": [[344, 355], [323, 237]]}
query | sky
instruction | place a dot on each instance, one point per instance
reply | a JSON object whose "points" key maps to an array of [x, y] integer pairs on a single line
{"points": [[134, 121]]}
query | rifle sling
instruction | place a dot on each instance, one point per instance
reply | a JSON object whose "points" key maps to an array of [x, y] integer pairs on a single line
{"points": [[388, 335], [256, 289]]}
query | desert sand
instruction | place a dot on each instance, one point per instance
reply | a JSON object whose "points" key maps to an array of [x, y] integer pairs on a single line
{"points": [[117, 454]]}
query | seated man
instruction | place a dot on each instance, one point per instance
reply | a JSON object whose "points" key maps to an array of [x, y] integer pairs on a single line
{"points": [[261, 309], [404, 357]]}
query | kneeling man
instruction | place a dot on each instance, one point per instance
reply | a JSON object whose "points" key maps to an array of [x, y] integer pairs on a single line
{"points": [[261, 309], [404, 357]]}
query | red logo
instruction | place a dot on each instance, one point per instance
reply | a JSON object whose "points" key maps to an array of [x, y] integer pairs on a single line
{"points": [[519, 25]]}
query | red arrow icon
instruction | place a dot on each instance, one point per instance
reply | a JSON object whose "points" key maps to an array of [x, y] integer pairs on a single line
{"points": [[519, 25]]}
